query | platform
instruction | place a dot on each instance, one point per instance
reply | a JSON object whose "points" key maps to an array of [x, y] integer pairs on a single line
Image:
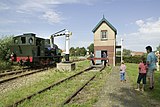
{"points": [[66, 66]]}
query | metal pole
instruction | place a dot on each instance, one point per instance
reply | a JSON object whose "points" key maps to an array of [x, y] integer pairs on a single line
{"points": [[121, 49]]}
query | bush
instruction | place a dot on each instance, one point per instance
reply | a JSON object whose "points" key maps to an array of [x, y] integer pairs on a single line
{"points": [[133, 59], [4, 47], [5, 65]]}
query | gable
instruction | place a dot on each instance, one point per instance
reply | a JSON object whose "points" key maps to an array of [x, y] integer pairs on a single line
{"points": [[104, 21]]}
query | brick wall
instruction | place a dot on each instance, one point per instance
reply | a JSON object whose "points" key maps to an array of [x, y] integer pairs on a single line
{"points": [[110, 52]]}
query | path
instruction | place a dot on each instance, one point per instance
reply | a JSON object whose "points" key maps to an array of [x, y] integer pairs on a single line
{"points": [[119, 94]]}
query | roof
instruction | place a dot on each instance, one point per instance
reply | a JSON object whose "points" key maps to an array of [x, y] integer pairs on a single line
{"points": [[104, 20]]}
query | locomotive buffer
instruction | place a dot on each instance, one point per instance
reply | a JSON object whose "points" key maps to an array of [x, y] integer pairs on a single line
{"points": [[66, 65]]}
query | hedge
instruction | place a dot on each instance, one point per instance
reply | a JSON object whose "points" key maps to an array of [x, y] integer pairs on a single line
{"points": [[133, 59]]}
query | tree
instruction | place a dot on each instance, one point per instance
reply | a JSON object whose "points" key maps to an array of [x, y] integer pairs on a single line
{"points": [[4, 47], [77, 51], [83, 51], [126, 52], [72, 51], [91, 48]]}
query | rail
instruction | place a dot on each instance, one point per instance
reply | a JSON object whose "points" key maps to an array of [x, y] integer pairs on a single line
{"points": [[47, 88]]}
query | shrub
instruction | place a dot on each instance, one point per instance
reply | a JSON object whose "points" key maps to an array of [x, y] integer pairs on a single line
{"points": [[133, 59], [4, 65], [5, 42]]}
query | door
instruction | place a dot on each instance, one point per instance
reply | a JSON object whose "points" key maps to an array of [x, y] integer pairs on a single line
{"points": [[38, 51], [98, 55]]}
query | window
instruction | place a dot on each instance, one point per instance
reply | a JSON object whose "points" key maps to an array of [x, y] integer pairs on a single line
{"points": [[38, 42], [23, 39], [30, 40], [104, 34], [15, 41]]}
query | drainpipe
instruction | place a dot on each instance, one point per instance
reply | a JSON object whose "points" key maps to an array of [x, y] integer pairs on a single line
{"points": [[114, 57]]}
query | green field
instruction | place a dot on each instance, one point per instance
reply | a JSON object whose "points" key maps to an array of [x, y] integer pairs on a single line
{"points": [[132, 71]]}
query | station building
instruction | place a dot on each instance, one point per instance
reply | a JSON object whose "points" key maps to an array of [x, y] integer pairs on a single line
{"points": [[105, 41]]}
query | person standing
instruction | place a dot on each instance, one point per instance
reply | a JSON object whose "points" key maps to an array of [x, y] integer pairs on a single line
{"points": [[151, 62], [92, 58], [122, 72], [104, 55], [142, 74]]}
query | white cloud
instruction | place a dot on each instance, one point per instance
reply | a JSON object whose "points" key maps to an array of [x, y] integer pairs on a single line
{"points": [[148, 33], [149, 26], [87, 2], [32, 6], [46, 8], [52, 16], [3, 6], [43, 9], [140, 22], [58, 1]]}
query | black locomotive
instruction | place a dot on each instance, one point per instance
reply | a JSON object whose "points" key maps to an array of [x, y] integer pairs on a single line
{"points": [[27, 49]]}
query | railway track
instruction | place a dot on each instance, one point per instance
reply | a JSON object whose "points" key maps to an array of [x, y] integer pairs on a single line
{"points": [[16, 74], [47, 88], [80, 88], [12, 72], [11, 75]]}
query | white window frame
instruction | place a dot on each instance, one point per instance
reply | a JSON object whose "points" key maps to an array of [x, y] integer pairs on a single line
{"points": [[104, 34]]}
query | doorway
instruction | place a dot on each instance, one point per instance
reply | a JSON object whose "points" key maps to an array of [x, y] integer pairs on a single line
{"points": [[105, 52]]}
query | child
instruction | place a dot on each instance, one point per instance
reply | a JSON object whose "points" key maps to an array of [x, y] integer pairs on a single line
{"points": [[122, 71], [142, 74]]}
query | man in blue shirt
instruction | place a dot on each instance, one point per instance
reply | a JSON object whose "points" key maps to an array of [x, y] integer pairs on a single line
{"points": [[151, 62]]}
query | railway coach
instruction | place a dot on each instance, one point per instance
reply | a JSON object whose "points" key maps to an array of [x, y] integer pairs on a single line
{"points": [[27, 49]]}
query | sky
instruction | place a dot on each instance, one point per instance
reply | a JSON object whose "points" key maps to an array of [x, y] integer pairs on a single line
{"points": [[137, 21]]}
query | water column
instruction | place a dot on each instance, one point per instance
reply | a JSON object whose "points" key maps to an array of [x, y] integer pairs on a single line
{"points": [[67, 65]]}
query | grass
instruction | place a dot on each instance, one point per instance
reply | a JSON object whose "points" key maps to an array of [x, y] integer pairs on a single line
{"points": [[51, 76], [90, 94], [55, 96], [87, 98], [14, 95], [132, 71]]}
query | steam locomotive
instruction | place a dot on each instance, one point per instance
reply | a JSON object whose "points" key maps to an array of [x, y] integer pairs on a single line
{"points": [[27, 49]]}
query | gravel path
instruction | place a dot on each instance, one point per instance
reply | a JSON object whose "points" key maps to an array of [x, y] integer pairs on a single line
{"points": [[119, 94]]}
